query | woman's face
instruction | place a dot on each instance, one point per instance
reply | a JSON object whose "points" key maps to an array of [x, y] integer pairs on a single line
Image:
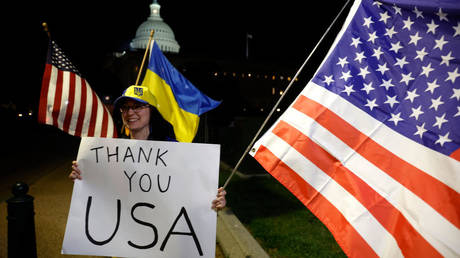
{"points": [[135, 115]]}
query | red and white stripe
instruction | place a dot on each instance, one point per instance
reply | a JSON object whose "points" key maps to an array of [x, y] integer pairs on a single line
{"points": [[68, 102], [378, 192]]}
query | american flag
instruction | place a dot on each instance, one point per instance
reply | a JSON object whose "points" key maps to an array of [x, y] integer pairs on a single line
{"points": [[371, 145], [68, 102]]}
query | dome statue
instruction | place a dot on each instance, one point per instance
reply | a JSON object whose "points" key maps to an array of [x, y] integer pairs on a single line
{"points": [[164, 36]]}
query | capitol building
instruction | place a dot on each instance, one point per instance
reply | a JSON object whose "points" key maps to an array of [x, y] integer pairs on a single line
{"points": [[164, 35]]}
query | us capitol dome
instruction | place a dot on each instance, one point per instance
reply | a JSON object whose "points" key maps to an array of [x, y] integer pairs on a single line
{"points": [[164, 36]]}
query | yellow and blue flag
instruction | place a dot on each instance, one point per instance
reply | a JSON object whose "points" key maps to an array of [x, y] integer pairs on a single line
{"points": [[177, 99]]}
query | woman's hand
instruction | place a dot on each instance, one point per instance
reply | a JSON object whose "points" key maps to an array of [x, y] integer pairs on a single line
{"points": [[220, 202], [76, 173]]}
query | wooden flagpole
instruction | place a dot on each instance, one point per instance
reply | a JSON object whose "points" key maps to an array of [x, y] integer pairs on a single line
{"points": [[145, 55]]}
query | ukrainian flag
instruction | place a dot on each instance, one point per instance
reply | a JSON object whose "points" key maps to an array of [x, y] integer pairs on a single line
{"points": [[178, 101]]}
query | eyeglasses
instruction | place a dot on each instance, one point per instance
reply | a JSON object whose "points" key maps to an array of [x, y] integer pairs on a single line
{"points": [[135, 108]]}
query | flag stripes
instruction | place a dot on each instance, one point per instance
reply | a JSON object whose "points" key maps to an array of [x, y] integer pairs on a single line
{"points": [[64, 103], [378, 206], [412, 206], [92, 120], [317, 203], [57, 98], [42, 107], [70, 105], [82, 111], [414, 179], [341, 150], [355, 217]]}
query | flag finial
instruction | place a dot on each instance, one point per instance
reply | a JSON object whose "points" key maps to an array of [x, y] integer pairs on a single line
{"points": [[45, 28]]}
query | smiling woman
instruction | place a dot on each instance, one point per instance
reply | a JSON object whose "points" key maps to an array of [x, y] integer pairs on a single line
{"points": [[140, 119], [136, 117]]}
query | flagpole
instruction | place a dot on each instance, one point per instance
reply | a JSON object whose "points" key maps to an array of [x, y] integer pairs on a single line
{"points": [[284, 93], [145, 55]]}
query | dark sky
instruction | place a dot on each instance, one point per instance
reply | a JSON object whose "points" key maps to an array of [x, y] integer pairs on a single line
{"points": [[283, 32]]}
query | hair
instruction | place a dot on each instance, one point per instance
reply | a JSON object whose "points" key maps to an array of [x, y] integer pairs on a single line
{"points": [[160, 129]]}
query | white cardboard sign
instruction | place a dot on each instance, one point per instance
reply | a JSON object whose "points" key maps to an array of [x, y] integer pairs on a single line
{"points": [[143, 199]]}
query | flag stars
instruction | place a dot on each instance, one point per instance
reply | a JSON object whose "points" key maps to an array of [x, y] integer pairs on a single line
{"points": [[431, 86], [406, 68], [420, 130], [345, 76], [421, 54], [355, 42], [348, 89], [391, 101], [342, 61], [440, 120], [453, 75], [384, 17], [408, 23], [426, 70], [440, 43], [396, 118], [406, 78], [418, 14], [446, 59], [415, 38], [387, 84], [458, 112], [372, 37], [377, 53], [359, 56], [441, 15], [457, 29], [368, 87], [328, 80], [368, 21], [397, 9], [371, 104], [396, 47], [416, 112], [377, 3], [390, 32], [411, 95], [443, 139], [456, 94], [432, 27], [383, 68], [435, 103], [401, 62], [363, 72]]}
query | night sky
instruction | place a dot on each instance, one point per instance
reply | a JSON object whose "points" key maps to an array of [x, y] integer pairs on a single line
{"points": [[284, 32]]}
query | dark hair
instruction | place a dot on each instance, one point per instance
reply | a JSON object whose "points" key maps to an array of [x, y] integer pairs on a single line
{"points": [[160, 129]]}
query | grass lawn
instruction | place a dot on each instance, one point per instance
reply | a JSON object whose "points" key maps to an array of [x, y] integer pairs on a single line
{"points": [[277, 219]]}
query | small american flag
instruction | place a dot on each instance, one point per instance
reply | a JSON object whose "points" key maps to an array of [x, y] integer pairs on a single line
{"points": [[68, 102], [372, 144]]}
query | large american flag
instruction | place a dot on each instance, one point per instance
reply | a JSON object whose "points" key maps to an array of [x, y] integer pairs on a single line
{"points": [[371, 145], [68, 102]]}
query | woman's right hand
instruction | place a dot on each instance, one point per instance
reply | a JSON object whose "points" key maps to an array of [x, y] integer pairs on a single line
{"points": [[76, 173]]}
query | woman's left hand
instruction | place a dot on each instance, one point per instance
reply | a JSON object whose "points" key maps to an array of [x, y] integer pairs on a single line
{"points": [[220, 202]]}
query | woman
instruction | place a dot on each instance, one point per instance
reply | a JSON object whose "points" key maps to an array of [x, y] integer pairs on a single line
{"points": [[141, 121]]}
